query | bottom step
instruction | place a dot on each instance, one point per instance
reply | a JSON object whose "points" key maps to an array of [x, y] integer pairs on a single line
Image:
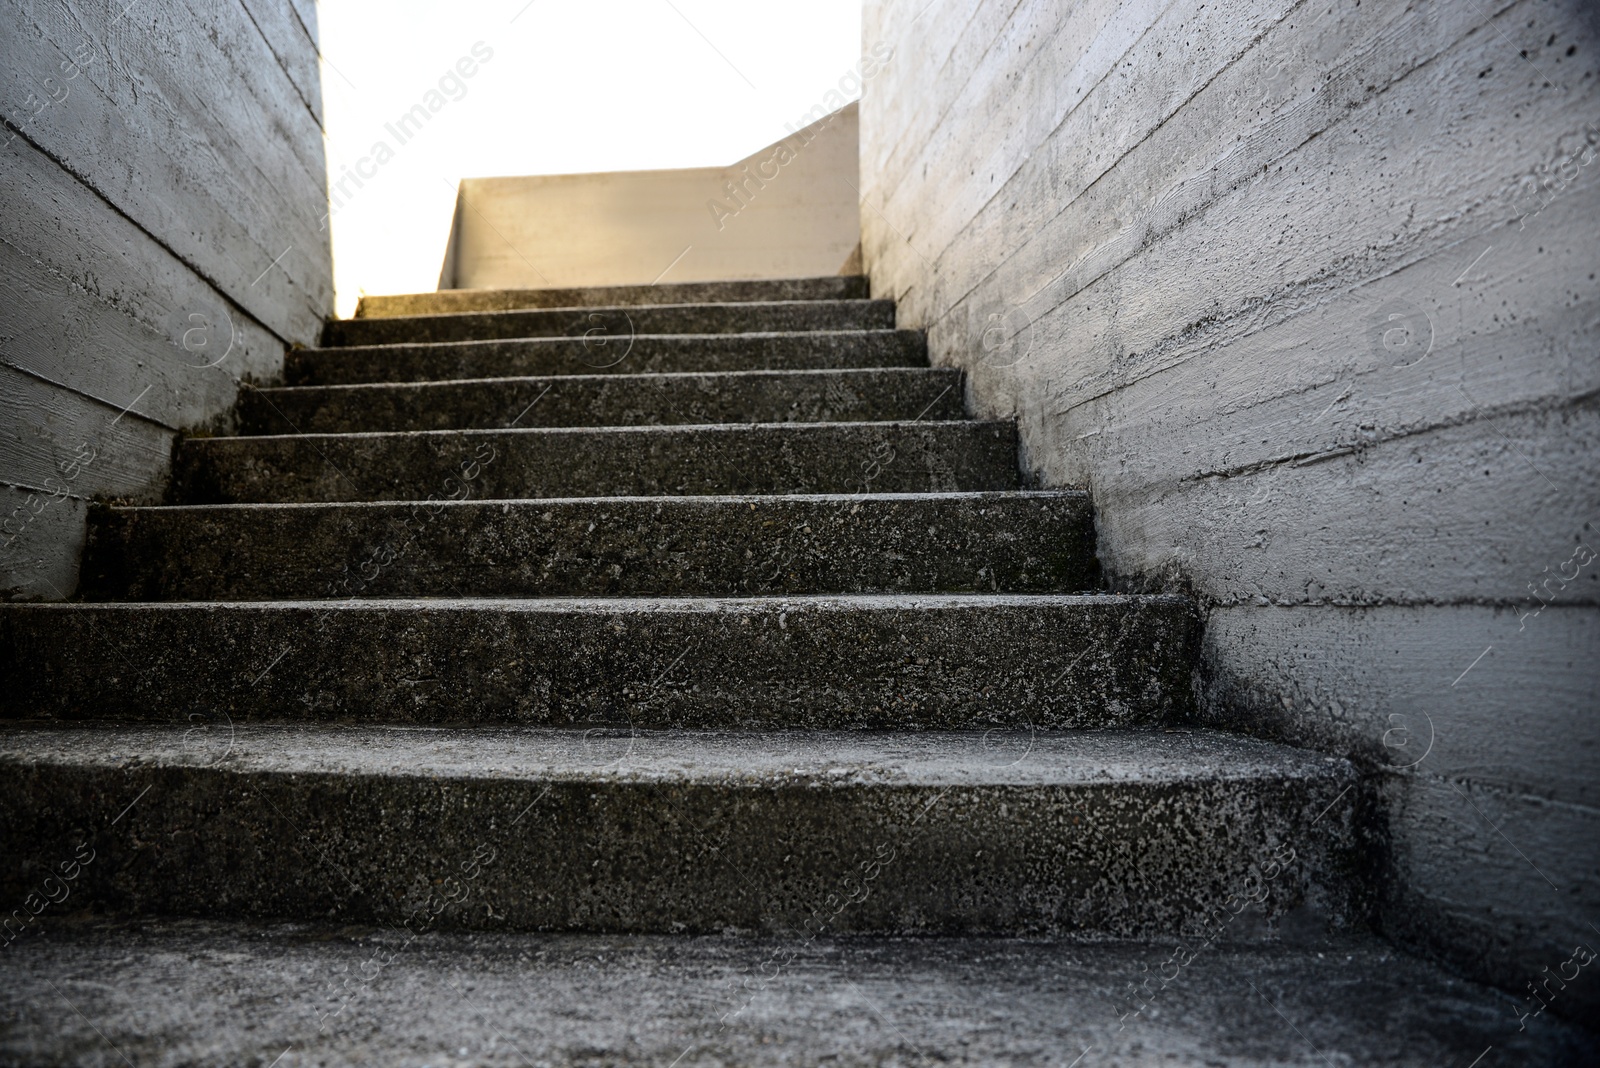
{"points": [[195, 992], [1118, 833]]}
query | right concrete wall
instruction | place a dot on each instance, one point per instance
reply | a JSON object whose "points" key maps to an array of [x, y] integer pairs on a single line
{"points": [[1306, 294]]}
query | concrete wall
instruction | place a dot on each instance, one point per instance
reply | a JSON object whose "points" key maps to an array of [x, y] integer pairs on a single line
{"points": [[1305, 293], [788, 211], [164, 180]]}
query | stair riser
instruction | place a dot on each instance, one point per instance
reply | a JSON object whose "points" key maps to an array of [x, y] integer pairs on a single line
{"points": [[451, 301], [925, 663], [572, 356], [632, 400], [714, 547], [766, 458], [1118, 859], [616, 326]]}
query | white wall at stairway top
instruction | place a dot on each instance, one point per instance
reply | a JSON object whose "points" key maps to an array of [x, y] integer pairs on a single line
{"points": [[571, 87]]}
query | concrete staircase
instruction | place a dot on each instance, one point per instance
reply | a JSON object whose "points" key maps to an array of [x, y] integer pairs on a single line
{"points": [[651, 611]]}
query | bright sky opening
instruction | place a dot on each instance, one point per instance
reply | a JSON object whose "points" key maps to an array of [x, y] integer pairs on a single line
{"points": [[555, 87]]}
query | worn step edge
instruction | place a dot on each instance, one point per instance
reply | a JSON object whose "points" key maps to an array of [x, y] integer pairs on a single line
{"points": [[617, 324], [857, 661], [898, 456], [1038, 541], [445, 301], [1124, 834], [658, 399]]}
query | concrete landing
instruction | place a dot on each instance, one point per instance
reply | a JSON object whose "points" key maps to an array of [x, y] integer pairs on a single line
{"points": [[169, 993]]}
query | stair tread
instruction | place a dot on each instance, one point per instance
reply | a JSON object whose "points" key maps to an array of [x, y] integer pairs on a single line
{"points": [[708, 501], [250, 991], [716, 458], [634, 605], [674, 398], [831, 287], [420, 360], [798, 374], [735, 759], [620, 321], [652, 429]]}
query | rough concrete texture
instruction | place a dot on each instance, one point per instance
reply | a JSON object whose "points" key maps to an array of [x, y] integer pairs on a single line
{"points": [[175, 993], [617, 324], [602, 354], [1020, 541], [608, 400], [133, 301], [899, 457], [1109, 833], [450, 301], [932, 661], [1306, 292]]}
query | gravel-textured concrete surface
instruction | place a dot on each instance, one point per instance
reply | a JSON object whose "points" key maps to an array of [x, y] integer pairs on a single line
{"points": [[932, 661], [1021, 542], [898, 457], [608, 400], [1128, 834], [167, 994], [446, 301], [601, 354], [617, 323]]}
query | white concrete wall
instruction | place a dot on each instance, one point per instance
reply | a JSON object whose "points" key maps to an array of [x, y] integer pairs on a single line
{"points": [[161, 241], [1305, 293], [787, 211]]}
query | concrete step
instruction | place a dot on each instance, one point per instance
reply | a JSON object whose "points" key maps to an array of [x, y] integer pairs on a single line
{"points": [[608, 400], [204, 992], [644, 354], [1123, 834], [899, 457], [448, 301], [617, 325], [946, 661], [1018, 542]]}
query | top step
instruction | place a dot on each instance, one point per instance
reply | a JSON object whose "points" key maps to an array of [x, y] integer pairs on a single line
{"points": [[840, 287], [616, 324]]}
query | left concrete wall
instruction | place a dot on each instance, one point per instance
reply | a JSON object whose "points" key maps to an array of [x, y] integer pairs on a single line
{"points": [[165, 181]]}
